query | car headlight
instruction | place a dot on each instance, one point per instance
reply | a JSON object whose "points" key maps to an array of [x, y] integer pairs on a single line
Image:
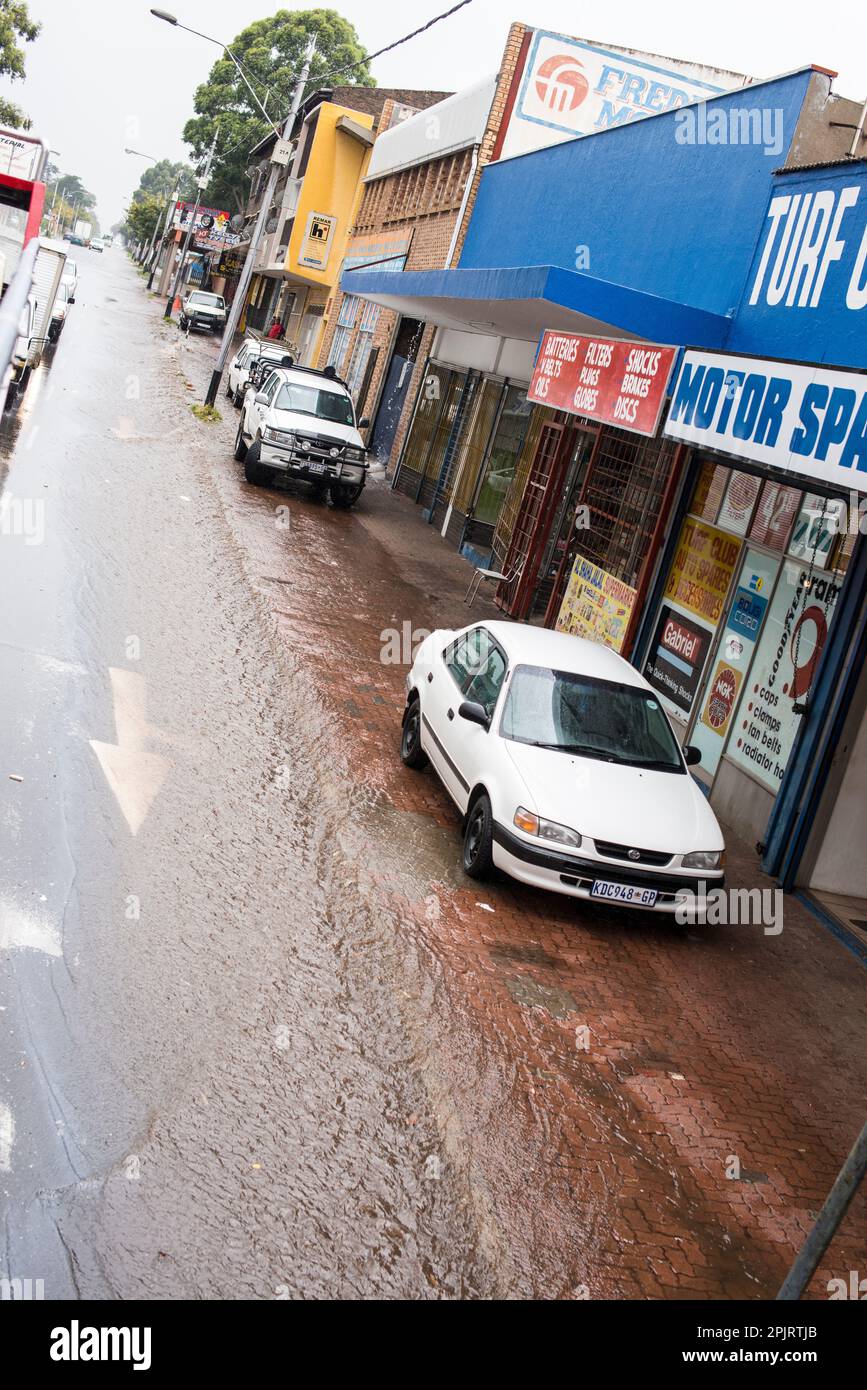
{"points": [[546, 829], [278, 436], [704, 859], [354, 455]]}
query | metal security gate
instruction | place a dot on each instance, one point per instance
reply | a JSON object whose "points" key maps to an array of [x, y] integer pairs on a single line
{"points": [[531, 526]]}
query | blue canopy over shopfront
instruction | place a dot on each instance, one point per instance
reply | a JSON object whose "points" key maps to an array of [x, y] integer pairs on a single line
{"points": [[521, 302]]}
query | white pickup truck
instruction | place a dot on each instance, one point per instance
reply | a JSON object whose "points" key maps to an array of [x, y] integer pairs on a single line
{"points": [[202, 310]]}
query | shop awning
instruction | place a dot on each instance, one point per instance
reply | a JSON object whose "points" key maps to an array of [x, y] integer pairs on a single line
{"points": [[521, 302]]}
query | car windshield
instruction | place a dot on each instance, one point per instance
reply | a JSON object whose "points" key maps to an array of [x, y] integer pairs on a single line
{"points": [[215, 301], [307, 400], [589, 717]]}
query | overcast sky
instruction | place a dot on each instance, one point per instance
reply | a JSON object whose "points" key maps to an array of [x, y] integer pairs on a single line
{"points": [[104, 73]]}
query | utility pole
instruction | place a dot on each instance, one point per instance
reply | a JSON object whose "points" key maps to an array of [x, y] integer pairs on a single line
{"points": [[155, 255], [201, 182], [278, 161]]}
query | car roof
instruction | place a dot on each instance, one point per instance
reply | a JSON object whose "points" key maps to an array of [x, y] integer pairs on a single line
{"points": [[540, 646], [301, 376]]}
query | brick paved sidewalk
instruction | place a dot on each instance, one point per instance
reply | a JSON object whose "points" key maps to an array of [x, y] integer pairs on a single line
{"points": [[642, 1112]]}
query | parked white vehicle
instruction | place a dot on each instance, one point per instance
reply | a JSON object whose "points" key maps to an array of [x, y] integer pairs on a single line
{"points": [[302, 424], [202, 310], [59, 312], [251, 351], [69, 278], [564, 765]]}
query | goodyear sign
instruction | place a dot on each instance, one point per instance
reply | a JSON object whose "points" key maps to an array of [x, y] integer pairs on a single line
{"points": [[808, 421]]}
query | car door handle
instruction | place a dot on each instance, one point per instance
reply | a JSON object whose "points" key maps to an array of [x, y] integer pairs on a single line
{"points": [[451, 714]]}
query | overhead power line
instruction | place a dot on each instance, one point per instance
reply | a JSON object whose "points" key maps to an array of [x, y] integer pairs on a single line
{"points": [[324, 79], [446, 14]]}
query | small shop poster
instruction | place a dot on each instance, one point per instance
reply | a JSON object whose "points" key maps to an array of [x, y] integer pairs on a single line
{"points": [[596, 605], [702, 568]]}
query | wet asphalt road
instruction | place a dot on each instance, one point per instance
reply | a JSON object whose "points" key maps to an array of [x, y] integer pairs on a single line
{"points": [[208, 1079]]}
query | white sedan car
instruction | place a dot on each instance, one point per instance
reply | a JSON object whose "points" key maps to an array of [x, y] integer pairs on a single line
{"points": [[564, 765], [251, 351], [69, 278]]}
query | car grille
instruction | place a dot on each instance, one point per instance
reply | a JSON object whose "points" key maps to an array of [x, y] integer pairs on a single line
{"points": [[314, 446], [630, 854]]}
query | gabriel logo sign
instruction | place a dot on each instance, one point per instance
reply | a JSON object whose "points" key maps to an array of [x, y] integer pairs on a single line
{"points": [[560, 83]]}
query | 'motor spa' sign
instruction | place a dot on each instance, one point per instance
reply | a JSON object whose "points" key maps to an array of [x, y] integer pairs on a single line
{"points": [[811, 421]]}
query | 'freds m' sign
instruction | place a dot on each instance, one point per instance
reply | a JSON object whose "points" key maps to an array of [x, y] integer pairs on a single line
{"points": [[620, 383], [806, 420]]}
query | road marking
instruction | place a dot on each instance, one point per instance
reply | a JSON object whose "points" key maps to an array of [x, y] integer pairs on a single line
{"points": [[7, 1138], [133, 774], [21, 930]]}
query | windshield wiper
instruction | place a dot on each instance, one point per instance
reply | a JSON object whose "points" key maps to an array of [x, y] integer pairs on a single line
{"points": [[656, 764], [585, 749]]}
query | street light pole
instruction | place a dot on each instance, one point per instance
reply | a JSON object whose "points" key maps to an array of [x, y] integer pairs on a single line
{"points": [[172, 203], [252, 250], [201, 182]]}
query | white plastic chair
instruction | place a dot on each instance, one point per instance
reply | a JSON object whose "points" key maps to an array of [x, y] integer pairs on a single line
{"points": [[507, 577]]}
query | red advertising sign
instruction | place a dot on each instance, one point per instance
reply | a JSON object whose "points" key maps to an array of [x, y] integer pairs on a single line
{"points": [[607, 379]]}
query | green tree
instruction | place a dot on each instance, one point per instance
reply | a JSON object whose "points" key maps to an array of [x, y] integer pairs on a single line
{"points": [[71, 189], [142, 217], [272, 52], [66, 199], [15, 25], [162, 178]]}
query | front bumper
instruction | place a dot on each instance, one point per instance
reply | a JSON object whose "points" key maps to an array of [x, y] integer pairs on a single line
{"points": [[205, 321], [312, 467], [575, 876]]}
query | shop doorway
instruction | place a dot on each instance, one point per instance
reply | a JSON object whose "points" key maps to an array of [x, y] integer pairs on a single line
{"points": [[309, 336], [534, 519], [394, 392], [560, 548]]}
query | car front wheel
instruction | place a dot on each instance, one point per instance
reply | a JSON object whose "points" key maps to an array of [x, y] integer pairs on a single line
{"points": [[254, 472], [240, 450], [345, 494], [411, 752], [478, 838]]}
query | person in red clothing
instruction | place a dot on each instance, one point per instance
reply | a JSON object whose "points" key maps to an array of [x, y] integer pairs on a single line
{"points": [[276, 330]]}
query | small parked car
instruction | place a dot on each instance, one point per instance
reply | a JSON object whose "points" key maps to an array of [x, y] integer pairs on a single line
{"points": [[59, 312], [69, 278], [564, 766], [302, 424], [202, 310], [251, 352]]}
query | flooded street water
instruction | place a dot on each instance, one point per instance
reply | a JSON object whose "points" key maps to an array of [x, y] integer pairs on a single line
{"points": [[260, 1035]]}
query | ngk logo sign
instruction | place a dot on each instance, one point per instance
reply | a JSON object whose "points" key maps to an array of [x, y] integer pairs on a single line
{"points": [[560, 83]]}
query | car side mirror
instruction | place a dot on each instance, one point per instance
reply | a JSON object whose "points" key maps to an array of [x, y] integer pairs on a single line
{"points": [[260, 398], [474, 713], [364, 423], [691, 754]]}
